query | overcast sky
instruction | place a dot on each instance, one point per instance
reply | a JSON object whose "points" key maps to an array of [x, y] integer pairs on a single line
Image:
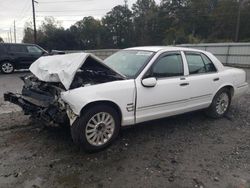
{"points": [[68, 11]]}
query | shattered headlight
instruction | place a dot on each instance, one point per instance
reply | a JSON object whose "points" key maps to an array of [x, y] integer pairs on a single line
{"points": [[72, 116]]}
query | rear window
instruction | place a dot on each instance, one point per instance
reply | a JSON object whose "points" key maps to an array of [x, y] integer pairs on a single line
{"points": [[18, 48], [199, 63], [33, 49]]}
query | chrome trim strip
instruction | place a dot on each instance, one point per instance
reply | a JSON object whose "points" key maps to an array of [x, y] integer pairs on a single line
{"points": [[173, 102], [162, 104], [244, 85], [201, 96]]}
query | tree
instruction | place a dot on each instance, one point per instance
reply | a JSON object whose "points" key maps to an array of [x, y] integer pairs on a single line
{"points": [[172, 19], [88, 33], [118, 23], [199, 17], [244, 34], [145, 14], [1, 40], [171, 22], [28, 33], [224, 21], [50, 35]]}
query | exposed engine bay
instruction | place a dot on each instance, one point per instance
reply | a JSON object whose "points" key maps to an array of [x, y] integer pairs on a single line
{"points": [[41, 99], [93, 73]]}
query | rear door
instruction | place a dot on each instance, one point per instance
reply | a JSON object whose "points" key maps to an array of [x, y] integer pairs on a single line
{"points": [[19, 54], [203, 78]]}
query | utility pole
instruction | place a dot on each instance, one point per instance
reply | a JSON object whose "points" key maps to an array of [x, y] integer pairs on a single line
{"points": [[126, 3], [15, 31], [34, 20], [10, 36], [238, 22]]}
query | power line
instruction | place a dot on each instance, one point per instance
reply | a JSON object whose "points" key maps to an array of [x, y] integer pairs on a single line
{"points": [[72, 15], [49, 2], [64, 20], [23, 11], [25, 16], [93, 10]]}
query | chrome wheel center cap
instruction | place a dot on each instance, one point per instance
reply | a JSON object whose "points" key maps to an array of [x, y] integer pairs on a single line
{"points": [[100, 127]]}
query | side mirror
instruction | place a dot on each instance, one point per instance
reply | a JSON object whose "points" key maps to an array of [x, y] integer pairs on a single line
{"points": [[149, 82]]}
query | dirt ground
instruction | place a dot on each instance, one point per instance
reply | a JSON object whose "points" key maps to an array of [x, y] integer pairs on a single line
{"points": [[189, 150]]}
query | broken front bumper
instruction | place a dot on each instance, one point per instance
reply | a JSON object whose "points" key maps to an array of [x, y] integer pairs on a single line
{"points": [[50, 114], [18, 100]]}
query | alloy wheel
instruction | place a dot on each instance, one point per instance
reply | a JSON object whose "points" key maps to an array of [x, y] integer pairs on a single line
{"points": [[100, 129], [7, 67], [222, 103]]}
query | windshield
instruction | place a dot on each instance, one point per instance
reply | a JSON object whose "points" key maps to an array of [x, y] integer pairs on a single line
{"points": [[129, 62]]}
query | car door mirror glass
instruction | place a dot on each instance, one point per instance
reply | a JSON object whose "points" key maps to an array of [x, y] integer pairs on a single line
{"points": [[149, 82]]}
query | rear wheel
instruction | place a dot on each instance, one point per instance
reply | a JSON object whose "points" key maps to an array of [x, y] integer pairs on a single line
{"points": [[96, 128], [220, 104], [7, 67]]}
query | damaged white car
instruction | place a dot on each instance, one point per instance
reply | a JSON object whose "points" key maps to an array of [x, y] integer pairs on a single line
{"points": [[132, 86]]}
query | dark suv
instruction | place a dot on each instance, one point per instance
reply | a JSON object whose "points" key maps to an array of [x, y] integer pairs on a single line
{"points": [[18, 56]]}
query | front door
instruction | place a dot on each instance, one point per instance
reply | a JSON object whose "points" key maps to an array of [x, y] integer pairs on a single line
{"points": [[171, 92]]}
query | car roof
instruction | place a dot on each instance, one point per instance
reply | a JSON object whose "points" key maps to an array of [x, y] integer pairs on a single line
{"points": [[4, 43], [160, 48]]}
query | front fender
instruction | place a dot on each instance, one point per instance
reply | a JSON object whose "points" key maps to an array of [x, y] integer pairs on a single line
{"points": [[121, 92]]}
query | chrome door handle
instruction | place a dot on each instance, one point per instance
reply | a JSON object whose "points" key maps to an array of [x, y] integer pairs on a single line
{"points": [[184, 84]]}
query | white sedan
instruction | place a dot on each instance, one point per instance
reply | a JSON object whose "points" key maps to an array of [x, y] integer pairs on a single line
{"points": [[132, 86]]}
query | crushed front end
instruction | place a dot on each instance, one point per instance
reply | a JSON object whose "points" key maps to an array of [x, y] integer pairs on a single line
{"points": [[41, 100], [53, 75]]}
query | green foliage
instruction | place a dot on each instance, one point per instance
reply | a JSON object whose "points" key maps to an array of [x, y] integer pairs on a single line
{"points": [[1, 39], [119, 26], [88, 33], [170, 22], [145, 13]]}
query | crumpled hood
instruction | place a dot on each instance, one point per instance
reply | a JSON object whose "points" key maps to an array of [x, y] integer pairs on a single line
{"points": [[61, 68]]}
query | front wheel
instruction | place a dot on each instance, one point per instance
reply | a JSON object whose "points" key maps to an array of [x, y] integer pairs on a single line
{"points": [[220, 104], [7, 67], [96, 128]]}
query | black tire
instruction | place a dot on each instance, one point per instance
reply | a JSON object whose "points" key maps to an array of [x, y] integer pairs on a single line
{"points": [[4, 69], [78, 129], [213, 111]]}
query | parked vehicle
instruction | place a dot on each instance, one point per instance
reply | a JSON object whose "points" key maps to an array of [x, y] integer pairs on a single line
{"points": [[20, 56], [132, 86]]}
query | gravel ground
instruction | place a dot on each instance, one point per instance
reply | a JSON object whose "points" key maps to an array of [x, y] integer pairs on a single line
{"points": [[11, 83], [189, 150]]}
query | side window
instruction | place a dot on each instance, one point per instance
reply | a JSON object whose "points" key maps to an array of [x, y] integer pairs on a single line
{"points": [[199, 63], [195, 63], [168, 66], [18, 48], [208, 64], [34, 49]]}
